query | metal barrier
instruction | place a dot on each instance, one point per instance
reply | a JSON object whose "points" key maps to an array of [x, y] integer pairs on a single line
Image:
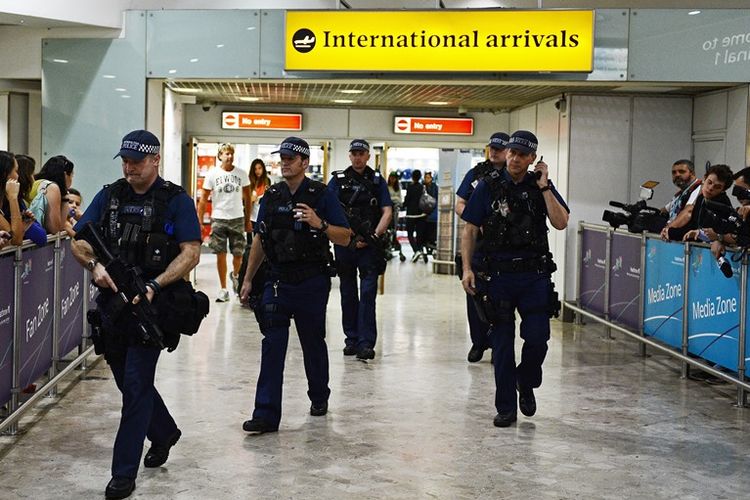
{"points": [[685, 306], [42, 320]]}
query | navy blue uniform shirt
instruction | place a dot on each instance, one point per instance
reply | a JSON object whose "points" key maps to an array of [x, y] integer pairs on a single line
{"points": [[181, 214], [328, 208]]}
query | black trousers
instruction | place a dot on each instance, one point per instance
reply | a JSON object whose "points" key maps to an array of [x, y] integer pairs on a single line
{"points": [[415, 232]]}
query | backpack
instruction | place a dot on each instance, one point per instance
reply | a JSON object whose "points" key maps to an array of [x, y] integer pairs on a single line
{"points": [[427, 202], [39, 205]]}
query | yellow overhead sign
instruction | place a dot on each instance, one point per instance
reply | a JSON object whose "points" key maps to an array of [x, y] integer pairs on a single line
{"points": [[478, 40]]}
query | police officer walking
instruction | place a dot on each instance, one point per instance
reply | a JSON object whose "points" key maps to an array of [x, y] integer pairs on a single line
{"points": [[296, 219], [368, 207], [152, 224], [511, 207], [478, 329]]}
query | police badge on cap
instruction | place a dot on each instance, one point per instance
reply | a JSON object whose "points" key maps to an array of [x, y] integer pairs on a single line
{"points": [[294, 146], [137, 144]]}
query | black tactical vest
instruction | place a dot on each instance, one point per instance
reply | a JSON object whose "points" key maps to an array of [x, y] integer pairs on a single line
{"points": [[287, 241], [359, 195], [135, 227], [519, 217], [482, 170]]}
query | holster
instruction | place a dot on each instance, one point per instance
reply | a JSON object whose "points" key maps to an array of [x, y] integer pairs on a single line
{"points": [[93, 317], [459, 260]]}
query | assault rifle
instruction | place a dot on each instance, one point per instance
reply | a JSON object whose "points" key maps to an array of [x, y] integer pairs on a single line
{"points": [[363, 231], [129, 284]]}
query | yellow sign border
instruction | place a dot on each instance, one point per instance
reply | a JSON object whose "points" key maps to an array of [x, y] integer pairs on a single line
{"points": [[440, 41]]}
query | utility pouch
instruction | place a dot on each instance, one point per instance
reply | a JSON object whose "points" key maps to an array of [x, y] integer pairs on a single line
{"points": [[94, 319], [554, 304], [485, 308]]}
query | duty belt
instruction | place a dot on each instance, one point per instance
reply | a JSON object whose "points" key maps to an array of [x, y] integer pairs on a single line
{"points": [[296, 276], [541, 264]]}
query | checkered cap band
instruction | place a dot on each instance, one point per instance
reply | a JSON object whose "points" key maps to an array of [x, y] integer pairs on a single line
{"points": [[290, 146], [499, 142], [148, 149], [523, 142]]}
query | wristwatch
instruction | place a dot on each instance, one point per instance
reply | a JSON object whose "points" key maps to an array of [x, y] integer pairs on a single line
{"points": [[323, 226], [90, 265]]}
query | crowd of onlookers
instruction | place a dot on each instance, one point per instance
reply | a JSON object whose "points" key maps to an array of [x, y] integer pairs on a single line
{"points": [[35, 204]]}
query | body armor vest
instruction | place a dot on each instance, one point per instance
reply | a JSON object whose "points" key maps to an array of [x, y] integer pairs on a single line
{"points": [[519, 218], [135, 227], [483, 170], [286, 240], [358, 195]]}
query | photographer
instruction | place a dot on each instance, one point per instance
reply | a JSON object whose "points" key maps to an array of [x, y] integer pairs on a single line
{"points": [[683, 176], [719, 241], [717, 180]]}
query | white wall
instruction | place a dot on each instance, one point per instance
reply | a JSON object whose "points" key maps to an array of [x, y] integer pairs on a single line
{"points": [[4, 106], [720, 130], [171, 157]]}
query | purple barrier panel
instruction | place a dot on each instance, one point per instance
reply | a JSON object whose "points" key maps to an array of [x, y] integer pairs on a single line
{"points": [[37, 293], [592, 269], [625, 280], [71, 301], [7, 300]]}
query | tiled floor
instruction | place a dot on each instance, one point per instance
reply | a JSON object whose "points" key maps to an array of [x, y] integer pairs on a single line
{"points": [[414, 423]]}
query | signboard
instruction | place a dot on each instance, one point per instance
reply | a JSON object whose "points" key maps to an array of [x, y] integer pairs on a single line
{"points": [[433, 126], [593, 267], [71, 301], [37, 293], [445, 40], [261, 121], [625, 279], [713, 309], [662, 308], [6, 327]]}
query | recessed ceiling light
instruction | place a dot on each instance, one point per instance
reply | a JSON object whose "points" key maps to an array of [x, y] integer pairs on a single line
{"points": [[343, 101], [188, 89], [219, 45], [250, 99], [108, 76], [172, 71], [61, 61], [351, 91], [125, 96], [437, 103], [694, 13], [120, 89], [250, 28], [195, 59]]}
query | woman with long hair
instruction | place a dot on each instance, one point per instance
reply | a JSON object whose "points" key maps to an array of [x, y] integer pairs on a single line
{"points": [[49, 192], [10, 206], [259, 182], [26, 167]]}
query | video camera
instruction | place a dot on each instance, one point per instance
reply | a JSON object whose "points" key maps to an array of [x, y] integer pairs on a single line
{"points": [[725, 220], [638, 217]]}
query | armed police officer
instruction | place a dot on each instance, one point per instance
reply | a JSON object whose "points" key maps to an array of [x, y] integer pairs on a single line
{"points": [[478, 329], [151, 223], [368, 207], [511, 207], [296, 219]]}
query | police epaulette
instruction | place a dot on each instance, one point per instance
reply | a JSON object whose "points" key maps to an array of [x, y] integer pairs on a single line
{"points": [[494, 174], [339, 174]]}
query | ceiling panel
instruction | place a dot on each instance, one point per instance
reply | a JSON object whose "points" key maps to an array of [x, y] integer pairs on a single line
{"points": [[364, 94]]}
